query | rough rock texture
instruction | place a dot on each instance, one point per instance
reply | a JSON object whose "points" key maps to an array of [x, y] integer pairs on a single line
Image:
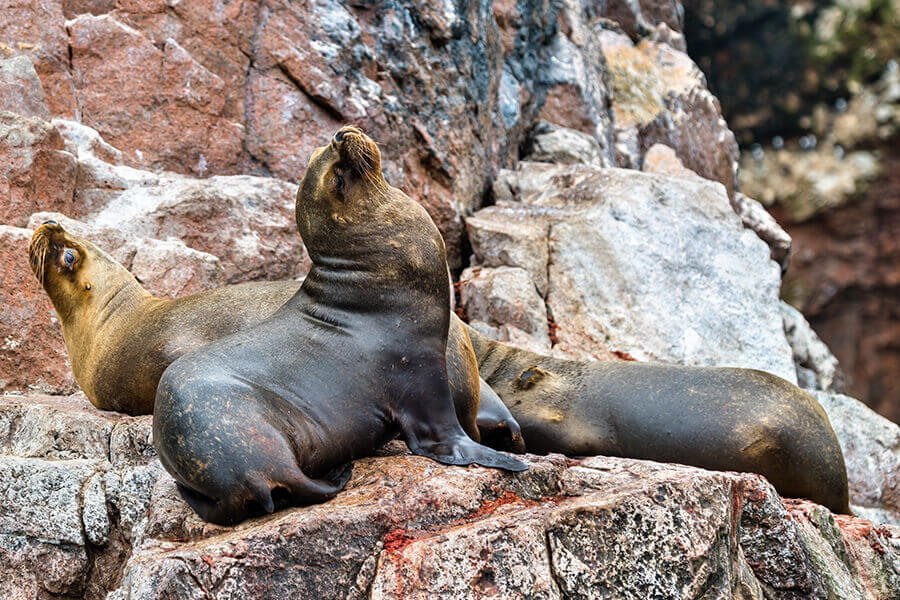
{"points": [[871, 446], [36, 173], [73, 483], [659, 96], [650, 266], [817, 367], [450, 91], [104, 518]]}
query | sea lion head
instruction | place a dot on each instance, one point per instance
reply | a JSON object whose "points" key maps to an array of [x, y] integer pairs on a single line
{"points": [[342, 185], [74, 272]]}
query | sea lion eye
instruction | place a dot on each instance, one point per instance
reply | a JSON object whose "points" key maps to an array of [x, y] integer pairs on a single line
{"points": [[69, 257], [338, 182]]}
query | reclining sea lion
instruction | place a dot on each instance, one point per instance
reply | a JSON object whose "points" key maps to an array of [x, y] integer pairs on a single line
{"points": [[724, 419]]}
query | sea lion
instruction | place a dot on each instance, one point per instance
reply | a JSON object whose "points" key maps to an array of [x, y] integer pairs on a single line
{"points": [[120, 338], [725, 419], [268, 416]]}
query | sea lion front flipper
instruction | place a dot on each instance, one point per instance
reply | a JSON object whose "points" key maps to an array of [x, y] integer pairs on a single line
{"points": [[430, 427], [497, 426], [463, 451]]}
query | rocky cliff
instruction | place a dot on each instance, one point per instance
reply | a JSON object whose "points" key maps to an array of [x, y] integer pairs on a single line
{"points": [[586, 184]]}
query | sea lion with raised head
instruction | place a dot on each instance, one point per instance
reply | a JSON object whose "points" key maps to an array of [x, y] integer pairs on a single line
{"points": [[269, 416], [120, 338], [724, 419]]}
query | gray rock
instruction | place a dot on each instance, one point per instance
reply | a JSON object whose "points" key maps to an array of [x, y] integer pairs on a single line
{"points": [[506, 297], [53, 427], [871, 446], [659, 268], [408, 526], [817, 368], [20, 88], [755, 216], [42, 498], [563, 146]]}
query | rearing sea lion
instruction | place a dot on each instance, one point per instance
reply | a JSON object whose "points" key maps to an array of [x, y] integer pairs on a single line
{"points": [[724, 419], [268, 416], [120, 338]]}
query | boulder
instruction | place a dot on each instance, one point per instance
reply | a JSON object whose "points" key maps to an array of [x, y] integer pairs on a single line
{"points": [[86, 510], [658, 95], [36, 173], [653, 267], [20, 88], [817, 368], [871, 447], [65, 498], [504, 303], [153, 99]]}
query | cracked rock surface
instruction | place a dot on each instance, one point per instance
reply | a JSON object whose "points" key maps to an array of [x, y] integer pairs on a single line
{"points": [[87, 511]]}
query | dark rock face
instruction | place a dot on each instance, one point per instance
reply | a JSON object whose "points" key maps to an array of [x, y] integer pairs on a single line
{"points": [[816, 86], [845, 276]]}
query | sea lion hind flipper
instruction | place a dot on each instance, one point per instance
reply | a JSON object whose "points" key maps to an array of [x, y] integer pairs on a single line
{"points": [[214, 511], [498, 428], [305, 490]]}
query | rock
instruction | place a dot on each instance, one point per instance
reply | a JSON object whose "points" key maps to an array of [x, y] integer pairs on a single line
{"points": [[755, 216], [36, 29], [648, 18], [64, 507], [156, 101], [54, 427], [575, 77], [653, 267], [36, 173], [817, 368], [806, 182], [663, 160], [871, 447], [563, 146], [20, 89], [658, 95], [408, 526], [32, 352], [251, 87], [506, 305], [231, 228]]}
